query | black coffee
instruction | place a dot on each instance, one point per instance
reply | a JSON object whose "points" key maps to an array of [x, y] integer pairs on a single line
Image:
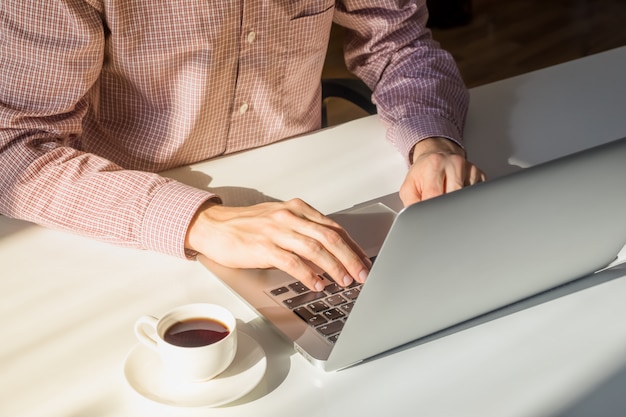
{"points": [[196, 332]]}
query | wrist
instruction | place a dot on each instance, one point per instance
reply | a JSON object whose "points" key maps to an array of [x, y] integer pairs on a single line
{"points": [[435, 144], [197, 224]]}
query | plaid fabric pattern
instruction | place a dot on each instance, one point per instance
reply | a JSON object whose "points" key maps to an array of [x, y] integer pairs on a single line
{"points": [[98, 96]]}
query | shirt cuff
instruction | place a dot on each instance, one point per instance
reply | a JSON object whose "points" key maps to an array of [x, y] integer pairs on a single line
{"points": [[168, 217], [405, 134]]}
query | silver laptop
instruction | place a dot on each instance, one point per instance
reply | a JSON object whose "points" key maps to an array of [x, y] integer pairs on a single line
{"points": [[446, 260]]}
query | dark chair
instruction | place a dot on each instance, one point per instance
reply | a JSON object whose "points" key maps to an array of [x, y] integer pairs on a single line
{"points": [[350, 89], [445, 14]]}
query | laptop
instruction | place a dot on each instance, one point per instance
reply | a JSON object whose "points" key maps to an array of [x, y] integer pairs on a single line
{"points": [[449, 259]]}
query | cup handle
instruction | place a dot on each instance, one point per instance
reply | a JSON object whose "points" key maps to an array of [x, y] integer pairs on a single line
{"points": [[144, 337]]}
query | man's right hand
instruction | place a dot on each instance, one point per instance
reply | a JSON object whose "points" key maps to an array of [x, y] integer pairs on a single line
{"points": [[290, 236]]}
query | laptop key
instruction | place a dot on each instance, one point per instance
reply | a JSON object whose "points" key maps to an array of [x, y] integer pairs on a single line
{"points": [[333, 314], [335, 300], [351, 294], [318, 307], [279, 291], [298, 287], [305, 298], [332, 288], [306, 315], [331, 328], [347, 307]]}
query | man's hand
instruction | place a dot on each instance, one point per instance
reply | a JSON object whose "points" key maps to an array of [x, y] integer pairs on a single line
{"points": [[290, 236], [439, 167]]}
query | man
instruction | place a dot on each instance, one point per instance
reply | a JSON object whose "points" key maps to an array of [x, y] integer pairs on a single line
{"points": [[96, 96]]}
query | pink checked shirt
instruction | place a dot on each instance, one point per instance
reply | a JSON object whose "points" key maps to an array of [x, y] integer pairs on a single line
{"points": [[97, 96]]}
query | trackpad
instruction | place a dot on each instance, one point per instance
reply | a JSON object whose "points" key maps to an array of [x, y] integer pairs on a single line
{"points": [[367, 225]]}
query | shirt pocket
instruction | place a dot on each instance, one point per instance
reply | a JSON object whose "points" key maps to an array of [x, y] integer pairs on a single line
{"points": [[305, 8], [304, 52]]}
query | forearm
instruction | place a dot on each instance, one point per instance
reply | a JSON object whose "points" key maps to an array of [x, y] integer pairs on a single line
{"points": [[84, 194], [417, 88]]}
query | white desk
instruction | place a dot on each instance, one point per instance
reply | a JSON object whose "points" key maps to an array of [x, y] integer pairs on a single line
{"points": [[67, 304]]}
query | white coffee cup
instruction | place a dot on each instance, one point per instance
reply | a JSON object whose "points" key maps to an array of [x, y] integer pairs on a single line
{"points": [[186, 340]]}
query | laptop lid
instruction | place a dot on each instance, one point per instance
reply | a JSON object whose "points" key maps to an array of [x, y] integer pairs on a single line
{"points": [[455, 257]]}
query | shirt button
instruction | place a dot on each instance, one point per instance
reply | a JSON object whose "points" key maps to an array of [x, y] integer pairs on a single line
{"points": [[251, 37], [243, 108]]}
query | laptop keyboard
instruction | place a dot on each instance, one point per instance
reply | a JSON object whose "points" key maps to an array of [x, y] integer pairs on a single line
{"points": [[326, 311]]}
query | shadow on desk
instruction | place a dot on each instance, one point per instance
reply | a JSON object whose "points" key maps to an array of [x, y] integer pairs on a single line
{"points": [[606, 400], [277, 351], [9, 226], [231, 196], [488, 136], [618, 271]]}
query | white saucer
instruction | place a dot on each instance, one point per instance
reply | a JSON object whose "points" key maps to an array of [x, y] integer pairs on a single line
{"points": [[144, 373]]}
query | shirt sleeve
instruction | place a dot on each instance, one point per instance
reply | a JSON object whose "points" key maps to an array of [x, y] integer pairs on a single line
{"points": [[417, 88], [51, 55]]}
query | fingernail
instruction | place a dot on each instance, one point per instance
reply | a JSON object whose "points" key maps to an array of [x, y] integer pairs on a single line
{"points": [[347, 280], [319, 286], [363, 275]]}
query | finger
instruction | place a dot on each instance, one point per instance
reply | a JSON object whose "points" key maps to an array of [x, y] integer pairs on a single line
{"points": [[353, 260], [409, 193], [337, 235], [313, 251], [304, 211], [331, 249], [295, 266], [354, 246], [432, 181], [454, 175], [474, 174], [325, 243], [482, 177]]}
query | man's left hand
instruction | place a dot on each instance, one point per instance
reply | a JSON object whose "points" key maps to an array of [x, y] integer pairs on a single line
{"points": [[439, 167]]}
